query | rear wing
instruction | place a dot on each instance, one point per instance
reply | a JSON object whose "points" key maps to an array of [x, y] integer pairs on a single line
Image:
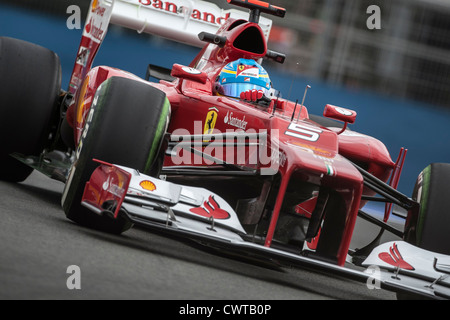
{"points": [[177, 20]]}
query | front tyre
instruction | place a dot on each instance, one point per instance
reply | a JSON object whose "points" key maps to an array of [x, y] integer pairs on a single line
{"points": [[126, 125], [30, 84], [431, 229]]}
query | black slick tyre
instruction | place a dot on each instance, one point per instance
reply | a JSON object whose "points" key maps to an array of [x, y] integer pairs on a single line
{"points": [[431, 229], [126, 126], [30, 84]]}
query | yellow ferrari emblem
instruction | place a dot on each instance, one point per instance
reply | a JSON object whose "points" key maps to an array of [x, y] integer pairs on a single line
{"points": [[210, 121]]}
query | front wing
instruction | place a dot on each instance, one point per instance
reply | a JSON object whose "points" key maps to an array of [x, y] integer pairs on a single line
{"points": [[200, 215]]}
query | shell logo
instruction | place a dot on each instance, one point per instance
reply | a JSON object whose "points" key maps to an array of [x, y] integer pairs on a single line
{"points": [[147, 185]]}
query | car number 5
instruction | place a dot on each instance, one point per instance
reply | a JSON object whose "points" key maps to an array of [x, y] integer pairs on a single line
{"points": [[302, 132]]}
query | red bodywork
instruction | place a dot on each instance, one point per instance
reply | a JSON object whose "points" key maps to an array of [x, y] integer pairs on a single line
{"points": [[308, 153]]}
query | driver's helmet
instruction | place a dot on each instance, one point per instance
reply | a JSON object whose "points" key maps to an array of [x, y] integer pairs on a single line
{"points": [[240, 76]]}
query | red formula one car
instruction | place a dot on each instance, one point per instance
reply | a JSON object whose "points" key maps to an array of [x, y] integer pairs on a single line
{"points": [[213, 152]]}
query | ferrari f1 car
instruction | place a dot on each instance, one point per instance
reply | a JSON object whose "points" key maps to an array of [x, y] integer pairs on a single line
{"points": [[212, 152]]}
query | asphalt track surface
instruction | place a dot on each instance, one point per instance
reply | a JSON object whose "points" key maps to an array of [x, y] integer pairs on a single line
{"points": [[38, 244]]}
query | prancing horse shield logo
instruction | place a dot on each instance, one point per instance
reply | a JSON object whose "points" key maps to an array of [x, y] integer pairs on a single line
{"points": [[210, 121]]}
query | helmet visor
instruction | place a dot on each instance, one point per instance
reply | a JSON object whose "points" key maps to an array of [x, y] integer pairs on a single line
{"points": [[235, 89]]}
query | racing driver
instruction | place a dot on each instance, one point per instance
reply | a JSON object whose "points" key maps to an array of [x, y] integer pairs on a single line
{"points": [[247, 80]]}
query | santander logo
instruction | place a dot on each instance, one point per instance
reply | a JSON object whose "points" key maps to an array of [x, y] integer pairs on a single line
{"points": [[235, 121], [196, 14], [95, 31]]}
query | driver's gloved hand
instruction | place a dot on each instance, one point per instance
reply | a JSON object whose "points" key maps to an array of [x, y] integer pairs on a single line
{"points": [[255, 96], [252, 95]]}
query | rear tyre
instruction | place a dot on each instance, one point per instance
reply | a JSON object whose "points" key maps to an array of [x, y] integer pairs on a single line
{"points": [[431, 229], [30, 83], [126, 125]]}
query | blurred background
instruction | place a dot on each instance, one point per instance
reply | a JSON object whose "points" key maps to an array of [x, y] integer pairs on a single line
{"points": [[396, 77]]}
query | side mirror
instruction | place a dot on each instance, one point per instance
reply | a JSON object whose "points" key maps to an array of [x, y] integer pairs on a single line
{"points": [[340, 114], [183, 72]]}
